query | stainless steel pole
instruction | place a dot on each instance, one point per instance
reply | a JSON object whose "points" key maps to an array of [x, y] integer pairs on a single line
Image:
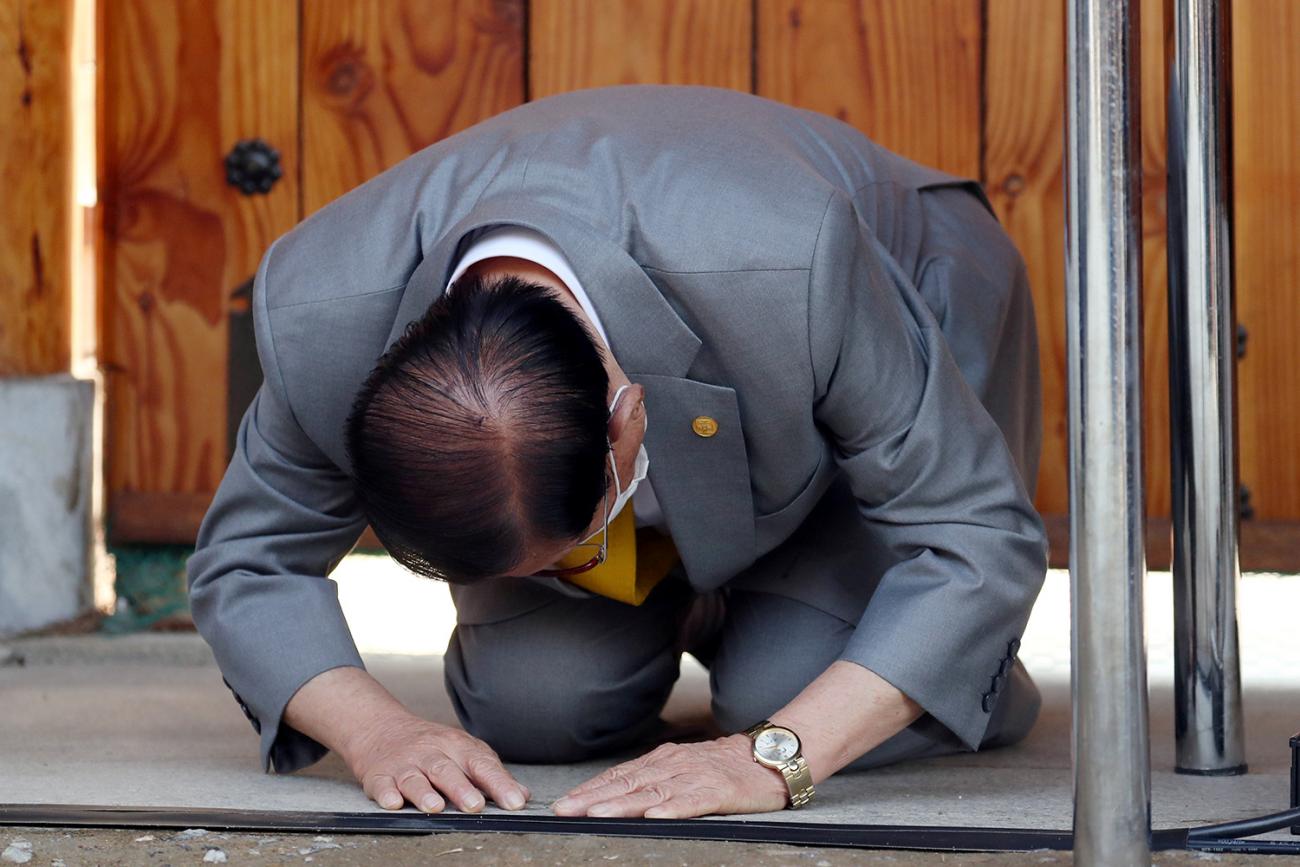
{"points": [[1112, 772], [1202, 354]]}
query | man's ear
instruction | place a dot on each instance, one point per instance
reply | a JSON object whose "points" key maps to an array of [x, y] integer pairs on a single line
{"points": [[628, 412]]}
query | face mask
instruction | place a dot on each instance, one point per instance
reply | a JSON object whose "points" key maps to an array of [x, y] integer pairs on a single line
{"points": [[639, 469]]}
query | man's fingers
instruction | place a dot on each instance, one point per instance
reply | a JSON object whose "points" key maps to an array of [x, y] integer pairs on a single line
{"points": [[646, 779], [415, 786], [685, 806], [633, 805], [453, 783], [617, 772], [578, 805], [486, 770], [382, 789], [597, 782], [621, 780]]}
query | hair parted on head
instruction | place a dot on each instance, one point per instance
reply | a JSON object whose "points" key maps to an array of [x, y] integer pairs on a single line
{"points": [[481, 431]]}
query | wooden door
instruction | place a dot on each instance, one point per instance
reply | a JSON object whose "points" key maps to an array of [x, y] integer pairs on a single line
{"points": [[183, 82], [341, 90]]}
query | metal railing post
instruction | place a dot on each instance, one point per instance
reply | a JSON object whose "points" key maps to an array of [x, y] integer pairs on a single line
{"points": [[1112, 775], [1202, 350]]}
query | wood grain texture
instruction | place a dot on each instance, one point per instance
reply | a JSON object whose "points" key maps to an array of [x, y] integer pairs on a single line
{"points": [[1023, 173], [182, 83], [384, 78], [905, 73], [593, 43], [1024, 128], [1266, 93], [1155, 265], [36, 180], [171, 519]]}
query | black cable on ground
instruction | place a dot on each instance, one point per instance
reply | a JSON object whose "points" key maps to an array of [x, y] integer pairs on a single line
{"points": [[1246, 827]]}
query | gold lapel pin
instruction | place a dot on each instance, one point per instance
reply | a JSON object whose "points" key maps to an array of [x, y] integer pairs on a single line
{"points": [[704, 426]]}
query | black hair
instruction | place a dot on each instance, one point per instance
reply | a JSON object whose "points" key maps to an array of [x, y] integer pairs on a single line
{"points": [[481, 431]]}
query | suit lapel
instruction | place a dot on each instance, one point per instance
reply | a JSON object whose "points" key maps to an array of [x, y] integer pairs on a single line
{"points": [[702, 482]]}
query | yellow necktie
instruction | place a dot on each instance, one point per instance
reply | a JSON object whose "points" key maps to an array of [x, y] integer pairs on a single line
{"points": [[636, 561]]}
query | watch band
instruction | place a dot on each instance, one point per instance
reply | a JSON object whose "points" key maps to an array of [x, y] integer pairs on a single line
{"points": [[798, 778]]}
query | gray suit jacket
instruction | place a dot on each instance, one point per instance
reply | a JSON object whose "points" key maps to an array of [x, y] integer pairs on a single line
{"points": [[762, 265]]}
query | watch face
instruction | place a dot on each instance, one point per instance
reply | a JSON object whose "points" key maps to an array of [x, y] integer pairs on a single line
{"points": [[776, 745]]}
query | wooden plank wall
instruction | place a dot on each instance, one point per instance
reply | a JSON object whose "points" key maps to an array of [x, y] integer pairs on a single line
{"points": [[36, 185], [384, 78], [592, 43], [1266, 113], [347, 88], [907, 74], [1024, 129]]}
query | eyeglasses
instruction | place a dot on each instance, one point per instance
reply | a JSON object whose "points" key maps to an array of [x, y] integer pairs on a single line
{"points": [[599, 552]]}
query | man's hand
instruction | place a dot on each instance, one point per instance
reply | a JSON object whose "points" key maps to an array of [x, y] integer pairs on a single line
{"points": [[397, 756], [842, 714], [404, 758], [680, 781]]}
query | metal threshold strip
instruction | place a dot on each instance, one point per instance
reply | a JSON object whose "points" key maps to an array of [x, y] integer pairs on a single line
{"points": [[1217, 838]]}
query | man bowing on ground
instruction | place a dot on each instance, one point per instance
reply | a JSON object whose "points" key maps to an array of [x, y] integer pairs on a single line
{"points": [[641, 370]]}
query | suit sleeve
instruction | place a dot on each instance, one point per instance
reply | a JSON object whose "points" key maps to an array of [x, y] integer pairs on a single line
{"points": [[283, 517], [931, 471]]}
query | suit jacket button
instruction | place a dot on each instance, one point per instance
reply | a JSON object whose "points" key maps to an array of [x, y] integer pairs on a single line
{"points": [[704, 426], [1013, 648], [1006, 665], [988, 702]]}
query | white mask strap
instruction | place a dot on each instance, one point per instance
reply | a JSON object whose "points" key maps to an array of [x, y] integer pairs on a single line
{"points": [[613, 464], [618, 394], [618, 487]]}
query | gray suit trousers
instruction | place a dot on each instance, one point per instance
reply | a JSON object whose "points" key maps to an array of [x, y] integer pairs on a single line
{"points": [[582, 678]]}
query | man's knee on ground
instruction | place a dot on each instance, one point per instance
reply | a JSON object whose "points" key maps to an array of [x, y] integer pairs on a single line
{"points": [[737, 705], [574, 710], [525, 723], [733, 716], [750, 677]]}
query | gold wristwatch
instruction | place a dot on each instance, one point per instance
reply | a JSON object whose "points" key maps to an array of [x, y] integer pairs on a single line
{"points": [[779, 748]]}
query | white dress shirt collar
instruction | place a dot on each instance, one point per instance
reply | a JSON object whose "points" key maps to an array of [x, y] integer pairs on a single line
{"points": [[520, 242]]}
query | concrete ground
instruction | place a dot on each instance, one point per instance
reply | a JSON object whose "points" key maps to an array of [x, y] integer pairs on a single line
{"points": [[70, 848], [144, 720]]}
